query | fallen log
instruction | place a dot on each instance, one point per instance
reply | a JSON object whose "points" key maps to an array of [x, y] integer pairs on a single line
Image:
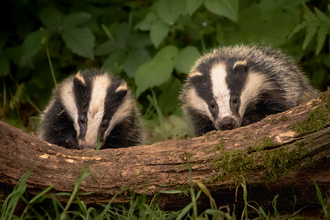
{"points": [[273, 155]]}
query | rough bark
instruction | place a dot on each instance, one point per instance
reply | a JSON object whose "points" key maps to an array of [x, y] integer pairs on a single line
{"points": [[270, 155]]}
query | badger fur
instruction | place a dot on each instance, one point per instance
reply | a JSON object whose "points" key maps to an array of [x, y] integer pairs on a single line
{"points": [[239, 85], [89, 105]]}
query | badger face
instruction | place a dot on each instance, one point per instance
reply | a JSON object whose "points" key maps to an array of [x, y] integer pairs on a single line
{"points": [[222, 90], [95, 103]]}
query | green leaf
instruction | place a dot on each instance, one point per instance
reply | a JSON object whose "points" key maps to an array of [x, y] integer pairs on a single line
{"points": [[122, 32], [146, 23], [158, 32], [321, 35], [192, 5], [186, 59], [170, 89], [107, 48], [80, 41], [138, 40], [51, 18], [226, 8], [170, 10], [156, 71], [4, 66], [152, 73], [32, 44], [169, 52], [310, 32], [75, 18], [114, 62], [134, 59]]}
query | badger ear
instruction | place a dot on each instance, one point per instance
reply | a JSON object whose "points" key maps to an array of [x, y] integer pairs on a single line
{"points": [[241, 66], [191, 75], [78, 82]]}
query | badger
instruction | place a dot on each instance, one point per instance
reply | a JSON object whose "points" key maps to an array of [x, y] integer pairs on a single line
{"points": [[238, 85], [91, 105]]}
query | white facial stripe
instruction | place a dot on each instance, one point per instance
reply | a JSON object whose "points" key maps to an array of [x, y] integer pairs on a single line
{"points": [[122, 112], [220, 90], [242, 62], [194, 74], [78, 76], [96, 108], [123, 86], [69, 103], [197, 102], [255, 83]]}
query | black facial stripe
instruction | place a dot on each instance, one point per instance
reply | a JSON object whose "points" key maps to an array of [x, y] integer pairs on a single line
{"points": [[113, 100], [236, 79], [203, 85], [82, 93]]}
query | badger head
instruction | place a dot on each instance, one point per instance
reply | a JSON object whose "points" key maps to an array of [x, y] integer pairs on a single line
{"points": [[95, 103], [222, 91]]}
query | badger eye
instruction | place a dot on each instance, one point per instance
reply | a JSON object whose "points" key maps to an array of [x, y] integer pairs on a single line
{"points": [[104, 125], [212, 105], [235, 100], [82, 121]]}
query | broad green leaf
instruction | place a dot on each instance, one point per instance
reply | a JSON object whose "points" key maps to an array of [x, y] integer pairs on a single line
{"points": [[134, 59], [170, 89], [107, 48], [138, 40], [170, 10], [152, 73], [192, 5], [145, 24], [122, 32], [4, 66], [80, 41], [169, 52], [158, 32], [186, 59], [51, 18], [226, 8], [114, 62], [32, 44], [75, 18]]}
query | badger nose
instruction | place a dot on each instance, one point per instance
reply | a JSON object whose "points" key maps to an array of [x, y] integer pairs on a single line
{"points": [[227, 123]]}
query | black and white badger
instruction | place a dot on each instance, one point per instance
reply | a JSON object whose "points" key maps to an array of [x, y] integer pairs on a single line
{"points": [[89, 105], [239, 85]]}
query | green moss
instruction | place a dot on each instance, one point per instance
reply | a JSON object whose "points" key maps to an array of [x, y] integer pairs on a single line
{"points": [[263, 143], [218, 147], [185, 165], [279, 162], [284, 118], [272, 120], [246, 162], [186, 156], [176, 177], [247, 135], [317, 119], [300, 143]]}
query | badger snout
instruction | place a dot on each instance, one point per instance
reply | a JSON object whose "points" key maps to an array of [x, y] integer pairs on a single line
{"points": [[87, 145], [227, 123]]}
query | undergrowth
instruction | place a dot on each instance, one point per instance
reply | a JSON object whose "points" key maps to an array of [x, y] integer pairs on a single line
{"points": [[139, 207]]}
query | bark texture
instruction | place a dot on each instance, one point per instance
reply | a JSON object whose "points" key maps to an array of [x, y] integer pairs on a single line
{"points": [[271, 155]]}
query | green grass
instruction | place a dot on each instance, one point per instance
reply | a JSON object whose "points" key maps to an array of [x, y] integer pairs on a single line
{"points": [[139, 209]]}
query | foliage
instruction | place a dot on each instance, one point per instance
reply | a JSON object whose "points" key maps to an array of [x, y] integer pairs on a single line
{"points": [[152, 44], [139, 208]]}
